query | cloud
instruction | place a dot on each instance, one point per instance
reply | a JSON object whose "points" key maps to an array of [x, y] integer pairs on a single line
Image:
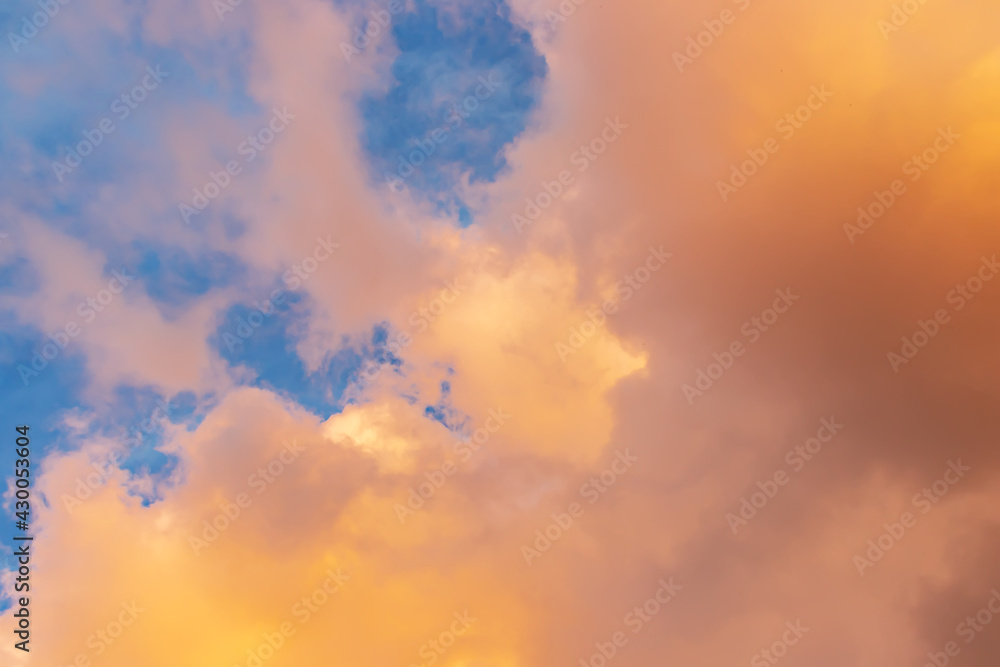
{"points": [[484, 309]]}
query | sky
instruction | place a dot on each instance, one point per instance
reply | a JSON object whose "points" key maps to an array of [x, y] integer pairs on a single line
{"points": [[487, 333]]}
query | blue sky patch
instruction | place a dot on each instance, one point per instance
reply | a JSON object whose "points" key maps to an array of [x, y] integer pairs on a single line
{"points": [[464, 84]]}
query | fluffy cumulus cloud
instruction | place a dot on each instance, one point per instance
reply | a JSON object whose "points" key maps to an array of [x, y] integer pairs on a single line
{"points": [[503, 334]]}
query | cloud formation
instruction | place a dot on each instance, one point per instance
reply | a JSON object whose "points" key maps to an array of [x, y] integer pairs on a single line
{"points": [[786, 207]]}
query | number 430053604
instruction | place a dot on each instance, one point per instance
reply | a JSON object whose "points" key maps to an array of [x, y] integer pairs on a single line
{"points": [[21, 470]]}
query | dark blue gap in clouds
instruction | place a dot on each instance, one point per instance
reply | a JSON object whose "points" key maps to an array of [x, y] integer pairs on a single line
{"points": [[444, 411], [175, 278], [136, 418], [131, 417], [266, 344], [445, 55]]}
